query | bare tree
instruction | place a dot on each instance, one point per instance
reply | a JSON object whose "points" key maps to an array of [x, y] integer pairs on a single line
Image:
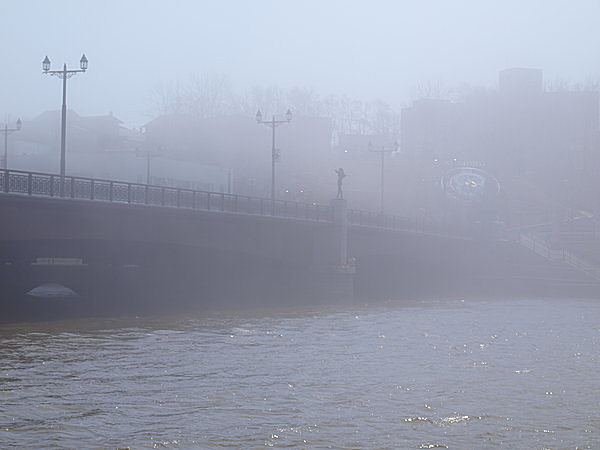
{"points": [[558, 85], [168, 99], [592, 84], [205, 95], [384, 120], [209, 95], [429, 90], [304, 101]]}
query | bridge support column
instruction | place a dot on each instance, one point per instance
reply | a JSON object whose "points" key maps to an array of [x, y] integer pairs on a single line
{"points": [[555, 229], [331, 259], [340, 230]]}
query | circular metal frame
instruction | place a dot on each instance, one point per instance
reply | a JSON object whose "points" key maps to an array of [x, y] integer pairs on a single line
{"points": [[469, 184]]}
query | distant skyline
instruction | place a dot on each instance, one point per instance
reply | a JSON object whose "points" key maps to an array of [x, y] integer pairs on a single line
{"points": [[378, 49]]}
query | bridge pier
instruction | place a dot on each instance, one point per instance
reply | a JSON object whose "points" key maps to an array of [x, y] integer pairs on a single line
{"points": [[339, 208], [331, 259]]}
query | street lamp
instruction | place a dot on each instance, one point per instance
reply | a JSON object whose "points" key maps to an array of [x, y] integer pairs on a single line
{"points": [[274, 152], [6, 132], [382, 151], [64, 74], [148, 154]]}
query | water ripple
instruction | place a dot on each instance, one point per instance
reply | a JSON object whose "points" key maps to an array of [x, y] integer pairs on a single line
{"points": [[513, 374]]}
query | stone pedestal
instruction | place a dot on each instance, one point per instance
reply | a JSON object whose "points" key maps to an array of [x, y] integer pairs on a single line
{"points": [[330, 254]]}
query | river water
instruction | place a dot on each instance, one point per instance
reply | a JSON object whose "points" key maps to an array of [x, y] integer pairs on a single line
{"points": [[433, 374]]}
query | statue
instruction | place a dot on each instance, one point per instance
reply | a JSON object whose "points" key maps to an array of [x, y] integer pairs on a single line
{"points": [[341, 175]]}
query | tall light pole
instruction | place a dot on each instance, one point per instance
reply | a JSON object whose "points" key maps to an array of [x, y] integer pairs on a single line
{"points": [[274, 153], [382, 151], [6, 132], [64, 74], [148, 154]]}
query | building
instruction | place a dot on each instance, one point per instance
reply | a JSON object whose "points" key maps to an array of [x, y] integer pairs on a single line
{"points": [[542, 146], [239, 145], [101, 147]]}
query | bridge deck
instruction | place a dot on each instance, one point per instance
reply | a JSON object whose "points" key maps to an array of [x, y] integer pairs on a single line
{"points": [[70, 187]]}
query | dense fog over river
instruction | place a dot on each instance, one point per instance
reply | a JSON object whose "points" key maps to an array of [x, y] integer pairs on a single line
{"points": [[454, 374], [367, 224]]}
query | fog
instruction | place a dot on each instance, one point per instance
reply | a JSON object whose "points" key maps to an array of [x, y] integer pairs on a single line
{"points": [[352, 72], [310, 223], [460, 118], [366, 50]]}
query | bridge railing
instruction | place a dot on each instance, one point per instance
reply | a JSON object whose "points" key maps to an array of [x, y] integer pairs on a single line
{"points": [[81, 188], [378, 220], [49, 185], [387, 221]]}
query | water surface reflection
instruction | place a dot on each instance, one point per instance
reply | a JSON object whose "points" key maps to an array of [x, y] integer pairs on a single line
{"points": [[455, 374]]}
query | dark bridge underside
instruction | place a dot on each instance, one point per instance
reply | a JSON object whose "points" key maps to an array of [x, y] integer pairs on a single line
{"points": [[119, 277], [134, 277], [135, 259]]}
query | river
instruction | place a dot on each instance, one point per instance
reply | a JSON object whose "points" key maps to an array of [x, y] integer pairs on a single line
{"points": [[518, 373]]}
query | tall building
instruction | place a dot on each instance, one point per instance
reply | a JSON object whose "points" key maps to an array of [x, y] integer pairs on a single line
{"points": [[542, 146]]}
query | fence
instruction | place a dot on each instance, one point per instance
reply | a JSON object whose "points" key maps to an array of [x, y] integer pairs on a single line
{"points": [[539, 245], [49, 185], [81, 188]]}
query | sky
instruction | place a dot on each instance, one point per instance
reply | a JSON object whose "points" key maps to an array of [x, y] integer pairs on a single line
{"points": [[366, 49]]}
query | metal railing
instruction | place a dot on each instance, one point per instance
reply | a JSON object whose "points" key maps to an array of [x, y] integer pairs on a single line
{"points": [[372, 219], [540, 246], [80, 188], [378, 220]]}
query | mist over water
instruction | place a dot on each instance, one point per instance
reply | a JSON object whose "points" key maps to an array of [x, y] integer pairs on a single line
{"points": [[194, 164], [453, 374], [377, 50]]}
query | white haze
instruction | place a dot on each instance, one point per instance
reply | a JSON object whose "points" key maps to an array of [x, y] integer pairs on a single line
{"points": [[365, 49]]}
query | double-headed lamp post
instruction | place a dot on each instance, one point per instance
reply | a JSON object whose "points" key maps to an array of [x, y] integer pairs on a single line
{"points": [[64, 74], [6, 132], [274, 154], [382, 151]]}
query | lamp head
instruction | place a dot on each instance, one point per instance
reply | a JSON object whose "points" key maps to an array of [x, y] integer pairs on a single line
{"points": [[258, 116], [83, 62], [46, 64], [288, 115], [19, 124]]}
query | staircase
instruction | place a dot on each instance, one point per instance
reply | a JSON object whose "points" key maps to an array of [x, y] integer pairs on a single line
{"points": [[536, 242]]}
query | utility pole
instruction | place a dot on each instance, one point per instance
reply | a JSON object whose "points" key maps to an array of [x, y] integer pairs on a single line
{"points": [[148, 154], [6, 132]]}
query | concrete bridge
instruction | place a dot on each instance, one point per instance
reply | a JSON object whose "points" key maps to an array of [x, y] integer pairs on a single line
{"points": [[132, 247]]}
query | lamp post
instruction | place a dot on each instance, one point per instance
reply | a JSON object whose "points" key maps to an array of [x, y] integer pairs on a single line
{"points": [[64, 74], [148, 154], [6, 132], [382, 151], [274, 153]]}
